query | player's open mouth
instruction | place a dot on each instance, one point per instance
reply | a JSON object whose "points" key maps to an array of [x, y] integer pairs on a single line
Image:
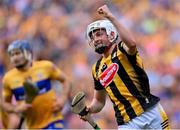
{"points": [[98, 45]]}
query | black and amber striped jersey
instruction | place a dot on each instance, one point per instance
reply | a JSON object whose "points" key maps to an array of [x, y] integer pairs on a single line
{"points": [[123, 77]]}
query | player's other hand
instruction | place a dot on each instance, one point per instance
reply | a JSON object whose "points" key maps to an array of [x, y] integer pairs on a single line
{"points": [[58, 104], [23, 107], [85, 117], [104, 11]]}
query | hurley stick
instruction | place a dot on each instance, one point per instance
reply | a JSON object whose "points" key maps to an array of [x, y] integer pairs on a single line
{"points": [[78, 106]]}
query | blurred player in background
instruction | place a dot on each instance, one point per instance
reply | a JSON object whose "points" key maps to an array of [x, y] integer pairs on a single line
{"points": [[120, 73], [45, 110]]}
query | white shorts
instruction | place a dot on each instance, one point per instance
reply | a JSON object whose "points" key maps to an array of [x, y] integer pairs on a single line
{"points": [[153, 118]]}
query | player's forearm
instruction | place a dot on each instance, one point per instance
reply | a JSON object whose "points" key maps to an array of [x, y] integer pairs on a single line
{"points": [[125, 35], [96, 106], [67, 87], [8, 107]]}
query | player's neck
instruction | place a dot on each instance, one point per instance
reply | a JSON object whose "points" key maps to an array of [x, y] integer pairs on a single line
{"points": [[27, 66], [109, 51]]}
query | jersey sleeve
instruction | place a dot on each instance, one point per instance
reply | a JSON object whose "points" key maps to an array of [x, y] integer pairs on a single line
{"points": [[54, 71], [134, 59], [97, 84], [121, 48], [6, 90]]}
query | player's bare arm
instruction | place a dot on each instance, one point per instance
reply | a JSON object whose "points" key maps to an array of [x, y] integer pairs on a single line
{"points": [[6, 103], [126, 36], [59, 102], [1, 105], [20, 108], [98, 101], [8, 106]]}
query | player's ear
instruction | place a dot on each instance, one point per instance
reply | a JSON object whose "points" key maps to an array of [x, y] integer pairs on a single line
{"points": [[111, 36], [28, 55]]}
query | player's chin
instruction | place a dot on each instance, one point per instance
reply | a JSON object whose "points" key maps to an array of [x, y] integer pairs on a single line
{"points": [[19, 65]]}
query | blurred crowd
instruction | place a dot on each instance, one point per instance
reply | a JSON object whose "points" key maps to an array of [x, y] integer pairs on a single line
{"points": [[56, 30]]}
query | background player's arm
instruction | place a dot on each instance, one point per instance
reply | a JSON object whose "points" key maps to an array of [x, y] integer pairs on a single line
{"points": [[66, 83], [10, 108], [98, 101], [65, 94], [126, 36], [56, 74], [10, 116], [7, 98]]}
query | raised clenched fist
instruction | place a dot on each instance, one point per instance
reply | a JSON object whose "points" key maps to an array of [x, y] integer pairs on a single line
{"points": [[104, 11]]}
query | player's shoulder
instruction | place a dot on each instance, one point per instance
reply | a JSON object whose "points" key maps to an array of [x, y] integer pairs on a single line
{"points": [[9, 74], [44, 63], [96, 64]]}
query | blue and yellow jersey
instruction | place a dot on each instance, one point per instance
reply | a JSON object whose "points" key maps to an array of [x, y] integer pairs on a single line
{"points": [[123, 77], [41, 73]]}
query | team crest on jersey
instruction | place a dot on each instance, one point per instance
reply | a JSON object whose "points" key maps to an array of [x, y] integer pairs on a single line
{"points": [[40, 75], [108, 75]]}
